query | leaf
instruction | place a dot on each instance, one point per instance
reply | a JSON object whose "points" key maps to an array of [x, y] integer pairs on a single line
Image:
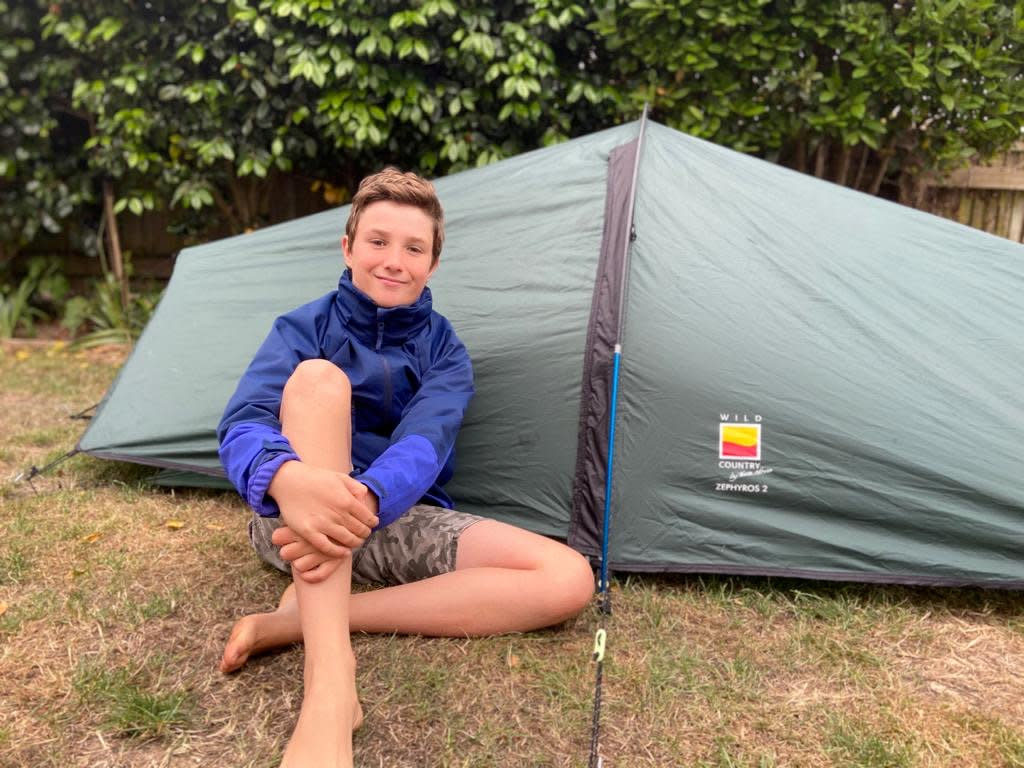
{"points": [[92, 538], [174, 524], [3, 607], [215, 526]]}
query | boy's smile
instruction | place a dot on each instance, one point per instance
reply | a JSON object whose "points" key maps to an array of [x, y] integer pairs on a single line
{"points": [[391, 255]]}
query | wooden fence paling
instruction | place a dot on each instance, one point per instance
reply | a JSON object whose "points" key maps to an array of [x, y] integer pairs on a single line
{"points": [[988, 197]]}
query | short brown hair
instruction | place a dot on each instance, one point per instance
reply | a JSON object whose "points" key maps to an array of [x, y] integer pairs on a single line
{"points": [[405, 188]]}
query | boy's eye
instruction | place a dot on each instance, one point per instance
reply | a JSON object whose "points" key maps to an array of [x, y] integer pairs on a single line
{"points": [[376, 241]]}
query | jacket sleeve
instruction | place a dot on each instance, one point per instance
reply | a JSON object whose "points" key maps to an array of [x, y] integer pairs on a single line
{"points": [[423, 441], [252, 447]]}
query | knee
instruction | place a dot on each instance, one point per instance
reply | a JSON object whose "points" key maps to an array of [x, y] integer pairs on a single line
{"points": [[318, 381], [571, 582]]}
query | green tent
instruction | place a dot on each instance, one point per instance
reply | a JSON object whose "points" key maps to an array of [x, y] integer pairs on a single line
{"points": [[814, 382]]}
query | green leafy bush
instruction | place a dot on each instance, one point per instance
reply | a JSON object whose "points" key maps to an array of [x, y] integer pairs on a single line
{"points": [[103, 318]]}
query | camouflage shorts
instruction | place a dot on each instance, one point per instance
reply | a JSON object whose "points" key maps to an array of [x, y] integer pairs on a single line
{"points": [[420, 544]]}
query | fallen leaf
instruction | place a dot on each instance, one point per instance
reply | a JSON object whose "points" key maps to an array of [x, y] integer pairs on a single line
{"points": [[175, 524], [513, 660], [3, 607], [21, 354], [92, 538], [215, 526]]}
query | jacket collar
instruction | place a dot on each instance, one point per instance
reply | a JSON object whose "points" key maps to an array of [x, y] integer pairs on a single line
{"points": [[376, 326]]}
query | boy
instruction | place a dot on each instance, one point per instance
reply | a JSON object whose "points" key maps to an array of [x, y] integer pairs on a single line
{"points": [[340, 437]]}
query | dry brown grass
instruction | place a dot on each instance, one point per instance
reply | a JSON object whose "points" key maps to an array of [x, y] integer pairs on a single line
{"points": [[104, 605]]}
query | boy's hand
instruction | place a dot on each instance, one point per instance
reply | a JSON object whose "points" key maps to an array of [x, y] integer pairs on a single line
{"points": [[329, 510], [307, 563]]}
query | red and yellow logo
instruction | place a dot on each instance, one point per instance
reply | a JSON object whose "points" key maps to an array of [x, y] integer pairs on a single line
{"points": [[739, 441]]}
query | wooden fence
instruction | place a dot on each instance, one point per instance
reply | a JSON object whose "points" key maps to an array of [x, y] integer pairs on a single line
{"points": [[152, 248], [988, 197]]}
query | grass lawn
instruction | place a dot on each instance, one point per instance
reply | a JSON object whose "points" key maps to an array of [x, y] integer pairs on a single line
{"points": [[116, 597]]}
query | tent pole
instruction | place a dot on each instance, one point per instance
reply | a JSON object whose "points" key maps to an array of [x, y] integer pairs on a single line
{"points": [[605, 603]]}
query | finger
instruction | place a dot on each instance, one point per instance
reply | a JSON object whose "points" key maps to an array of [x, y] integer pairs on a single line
{"points": [[309, 561], [357, 528], [321, 572], [295, 550], [326, 568], [349, 532], [284, 535], [360, 492], [339, 544]]}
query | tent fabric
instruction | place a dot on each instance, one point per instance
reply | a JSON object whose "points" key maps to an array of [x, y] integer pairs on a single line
{"points": [[814, 382], [588, 496]]}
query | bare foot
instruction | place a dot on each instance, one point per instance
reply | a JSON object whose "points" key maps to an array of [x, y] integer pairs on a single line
{"points": [[260, 632], [241, 644]]}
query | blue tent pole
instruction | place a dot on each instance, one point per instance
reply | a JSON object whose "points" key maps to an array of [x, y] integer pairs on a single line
{"points": [[616, 360], [605, 602], [616, 363]]}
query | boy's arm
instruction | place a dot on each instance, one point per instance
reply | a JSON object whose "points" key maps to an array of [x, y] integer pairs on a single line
{"points": [[319, 505], [252, 447], [425, 436]]}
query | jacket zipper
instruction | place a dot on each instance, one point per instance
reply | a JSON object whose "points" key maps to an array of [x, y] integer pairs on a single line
{"points": [[387, 367]]}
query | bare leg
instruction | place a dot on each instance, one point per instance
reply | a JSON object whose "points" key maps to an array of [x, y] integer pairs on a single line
{"points": [[506, 580], [323, 733], [318, 394]]}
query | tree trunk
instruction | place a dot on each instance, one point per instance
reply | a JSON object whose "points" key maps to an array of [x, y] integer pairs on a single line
{"points": [[800, 154], [844, 164], [116, 259], [240, 202], [821, 158], [883, 166], [865, 153], [227, 211]]}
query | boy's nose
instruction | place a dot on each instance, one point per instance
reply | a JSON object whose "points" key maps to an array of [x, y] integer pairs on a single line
{"points": [[393, 260]]}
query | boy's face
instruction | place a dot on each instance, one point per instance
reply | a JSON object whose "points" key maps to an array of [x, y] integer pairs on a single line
{"points": [[390, 254]]}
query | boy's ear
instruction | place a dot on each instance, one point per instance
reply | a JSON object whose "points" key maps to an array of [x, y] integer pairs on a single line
{"points": [[433, 269], [346, 252]]}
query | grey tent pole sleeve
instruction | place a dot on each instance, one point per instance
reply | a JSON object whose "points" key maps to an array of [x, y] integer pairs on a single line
{"points": [[616, 360], [631, 234]]}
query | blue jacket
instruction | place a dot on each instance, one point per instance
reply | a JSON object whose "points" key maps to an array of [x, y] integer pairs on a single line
{"points": [[411, 382]]}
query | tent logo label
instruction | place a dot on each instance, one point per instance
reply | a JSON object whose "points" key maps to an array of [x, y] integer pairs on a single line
{"points": [[737, 417], [740, 441], [739, 454]]}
